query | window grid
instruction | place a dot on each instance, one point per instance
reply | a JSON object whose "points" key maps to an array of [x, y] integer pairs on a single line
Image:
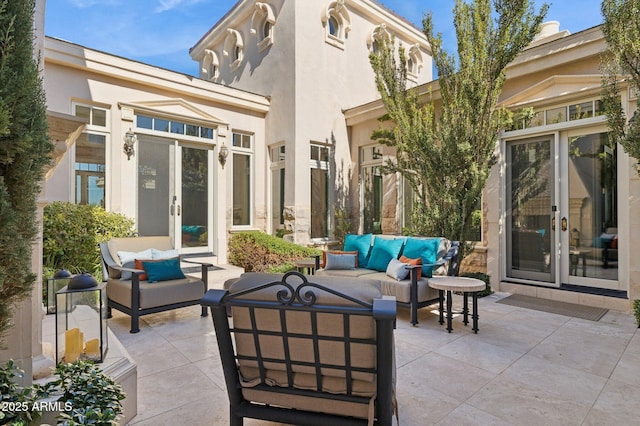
{"points": [[175, 127]]}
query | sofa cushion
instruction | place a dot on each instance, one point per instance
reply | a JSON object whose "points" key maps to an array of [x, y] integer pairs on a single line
{"points": [[402, 289], [397, 270], [347, 273], [383, 251], [361, 244], [341, 261], [425, 249]]}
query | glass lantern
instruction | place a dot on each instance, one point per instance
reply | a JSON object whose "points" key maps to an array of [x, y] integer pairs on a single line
{"points": [[81, 320], [60, 279]]}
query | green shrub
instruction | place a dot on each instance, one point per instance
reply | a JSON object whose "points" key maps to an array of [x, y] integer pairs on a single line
{"points": [[72, 232], [17, 401], [256, 251], [483, 277], [636, 311]]}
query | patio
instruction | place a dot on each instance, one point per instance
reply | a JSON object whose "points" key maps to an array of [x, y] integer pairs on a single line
{"points": [[523, 367]]}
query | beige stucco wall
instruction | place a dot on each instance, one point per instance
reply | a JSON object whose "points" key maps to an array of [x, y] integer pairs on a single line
{"points": [[123, 87], [310, 83]]}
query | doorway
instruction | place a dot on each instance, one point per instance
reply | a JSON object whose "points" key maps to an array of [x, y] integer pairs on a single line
{"points": [[175, 182]]}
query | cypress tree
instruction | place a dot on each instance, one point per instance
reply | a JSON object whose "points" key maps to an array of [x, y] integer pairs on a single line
{"points": [[24, 152]]}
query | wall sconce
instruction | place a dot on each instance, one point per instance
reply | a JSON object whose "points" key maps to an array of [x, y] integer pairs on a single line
{"points": [[223, 154], [130, 140]]}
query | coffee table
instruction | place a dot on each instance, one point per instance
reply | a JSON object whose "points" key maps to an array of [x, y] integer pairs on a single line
{"points": [[461, 284]]}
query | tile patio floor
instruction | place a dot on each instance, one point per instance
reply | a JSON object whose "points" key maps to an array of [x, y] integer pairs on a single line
{"points": [[524, 367]]}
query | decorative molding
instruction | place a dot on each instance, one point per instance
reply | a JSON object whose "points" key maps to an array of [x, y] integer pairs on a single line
{"points": [[233, 48], [263, 21], [210, 65]]}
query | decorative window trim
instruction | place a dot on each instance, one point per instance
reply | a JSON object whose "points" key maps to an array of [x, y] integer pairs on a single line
{"points": [[262, 23], [210, 65], [338, 11], [378, 33], [414, 61], [233, 48]]}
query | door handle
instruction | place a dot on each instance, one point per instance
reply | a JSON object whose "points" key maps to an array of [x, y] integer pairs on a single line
{"points": [[564, 224], [553, 223], [178, 210], [172, 209]]}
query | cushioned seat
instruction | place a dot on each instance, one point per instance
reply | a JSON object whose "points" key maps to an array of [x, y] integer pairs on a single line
{"points": [[306, 351], [129, 292]]}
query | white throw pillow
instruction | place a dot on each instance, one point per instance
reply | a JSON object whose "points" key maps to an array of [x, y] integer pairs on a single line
{"points": [[164, 254], [397, 270], [130, 256]]}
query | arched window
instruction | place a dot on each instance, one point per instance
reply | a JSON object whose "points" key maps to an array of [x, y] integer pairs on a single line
{"points": [[414, 61], [378, 34], [337, 23], [210, 65], [233, 48], [262, 23]]}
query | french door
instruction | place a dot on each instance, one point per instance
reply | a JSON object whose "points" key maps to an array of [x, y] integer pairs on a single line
{"points": [[174, 192], [561, 210]]}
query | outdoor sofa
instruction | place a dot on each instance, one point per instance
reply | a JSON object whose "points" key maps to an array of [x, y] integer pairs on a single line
{"points": [[306, 349], [144, 276], [400, 264]]}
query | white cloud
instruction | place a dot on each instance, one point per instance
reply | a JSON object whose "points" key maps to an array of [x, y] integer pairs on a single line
{"points": [[166, 5]]}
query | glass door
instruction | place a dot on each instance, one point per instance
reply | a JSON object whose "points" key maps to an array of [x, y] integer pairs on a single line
{"points": [[589, 210], [530, 210], [174, 192]]}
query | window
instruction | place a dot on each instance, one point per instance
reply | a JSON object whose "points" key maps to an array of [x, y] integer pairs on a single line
{"points": [[337, 23], [277, 186], [262, 23], [233, 48], [378, 34], [319, 158], [90, 152], [175, 127], [242, 179], [371, 189], [560, 114], [210, 65], [414, 61]]}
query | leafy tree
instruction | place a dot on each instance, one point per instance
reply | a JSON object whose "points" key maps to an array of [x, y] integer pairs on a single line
{"points": [[445, 147], [621, 29], [24, 151]]}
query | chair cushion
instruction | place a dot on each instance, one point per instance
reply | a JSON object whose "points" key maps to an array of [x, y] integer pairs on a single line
{"points": [[402, 289], [157, 294]]}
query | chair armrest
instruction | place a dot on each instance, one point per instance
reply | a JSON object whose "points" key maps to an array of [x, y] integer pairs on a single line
{"points": [[197, 262], [213, 297], [385, 308]]}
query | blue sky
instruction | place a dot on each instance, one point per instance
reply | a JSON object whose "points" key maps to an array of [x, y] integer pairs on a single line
{"points": [[160, 32]]}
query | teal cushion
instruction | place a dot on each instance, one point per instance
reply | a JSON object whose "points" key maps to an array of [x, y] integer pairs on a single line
{"points": [[383, 251], [425, 249], [360, 243], [163, 270]]}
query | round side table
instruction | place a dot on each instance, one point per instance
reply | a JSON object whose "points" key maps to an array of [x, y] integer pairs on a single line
{"points": [[461, 284]]}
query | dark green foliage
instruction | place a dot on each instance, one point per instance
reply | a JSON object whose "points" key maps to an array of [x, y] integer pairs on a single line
{"points": [[24, 152], [636, 310], [445, 147], [621, 29], [72, 232], [95, 398], [19, 399], [482, 277], [256, 251]]}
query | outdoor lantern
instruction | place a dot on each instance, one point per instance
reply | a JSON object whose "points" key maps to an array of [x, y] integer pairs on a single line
{"points": [[81, 320], [60, 279], [130, 140], [223, 154]]}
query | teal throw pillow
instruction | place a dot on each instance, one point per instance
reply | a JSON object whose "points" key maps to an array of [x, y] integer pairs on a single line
{"points": [[425, 249], [383, 251], [163, 270], [361, 244]]}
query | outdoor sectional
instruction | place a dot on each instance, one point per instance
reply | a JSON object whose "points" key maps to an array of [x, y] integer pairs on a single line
{"points": [[383, 257]]}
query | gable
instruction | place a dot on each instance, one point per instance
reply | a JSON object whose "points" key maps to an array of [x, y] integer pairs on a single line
{"points": [[177, 108], [555, 89]]}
